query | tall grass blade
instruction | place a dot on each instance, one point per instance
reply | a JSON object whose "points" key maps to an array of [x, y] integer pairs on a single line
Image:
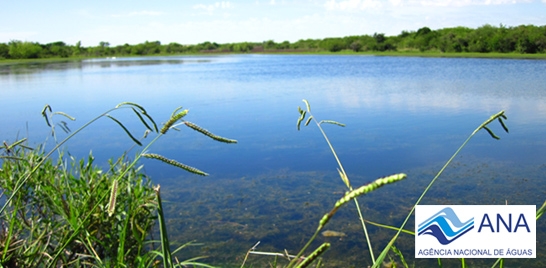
{"points": [[361, 191], [491, 133], [503, 125], [400, 255], [141, 119], [390, 227], [131, 104], [165, 249], [308, 120], [313, 256], [113, 195], [331, 122], [176, 111], [208, 134], [175, 163], [44, 114], [344, 178], [173, 120], [302, 116], [8, 147], [126, 130], [142, 111], [541, 210], [65, 115], [307, 106]]}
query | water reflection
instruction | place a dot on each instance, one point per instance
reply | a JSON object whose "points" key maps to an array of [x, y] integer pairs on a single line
{"points": [[64, 65]]}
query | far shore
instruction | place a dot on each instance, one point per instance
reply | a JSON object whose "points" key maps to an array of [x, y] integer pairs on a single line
{"points": [[432, 54]]}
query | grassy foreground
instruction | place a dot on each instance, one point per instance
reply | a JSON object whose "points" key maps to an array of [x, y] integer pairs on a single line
{"points": [[69, 213]]}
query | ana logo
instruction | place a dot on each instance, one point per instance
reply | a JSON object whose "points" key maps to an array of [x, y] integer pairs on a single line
{"points": [[490, 231], [440, 226]]}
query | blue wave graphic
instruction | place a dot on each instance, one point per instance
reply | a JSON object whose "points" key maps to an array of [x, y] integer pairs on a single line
{"points": [[439, 226], [435, 231]]}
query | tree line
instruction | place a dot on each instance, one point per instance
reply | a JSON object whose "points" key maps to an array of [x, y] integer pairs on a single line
{"points": [[487, 38]]}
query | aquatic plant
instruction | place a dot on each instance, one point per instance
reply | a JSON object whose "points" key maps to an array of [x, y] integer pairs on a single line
{"points": [[69, 212]]}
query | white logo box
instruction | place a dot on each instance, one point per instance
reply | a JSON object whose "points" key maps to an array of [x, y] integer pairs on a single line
{"points": [[475, 231]]}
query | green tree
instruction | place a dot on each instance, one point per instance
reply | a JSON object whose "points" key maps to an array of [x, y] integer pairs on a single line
{"points": [[56, 49], [481, 39], [355, 46], [269, 44], [4, 51], [24, 50], [174, 48], [283, 45], [77, 50], [423, 39], [207, 46], [333, 44], [368, 43]]}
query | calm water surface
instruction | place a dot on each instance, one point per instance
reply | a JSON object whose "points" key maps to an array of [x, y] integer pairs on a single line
{"points": [[402, 115]]}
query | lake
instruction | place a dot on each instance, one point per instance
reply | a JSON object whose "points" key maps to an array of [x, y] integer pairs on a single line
{"points": [[402, 114]]}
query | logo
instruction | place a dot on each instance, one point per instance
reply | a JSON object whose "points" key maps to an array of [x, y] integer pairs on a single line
{"points": [[475, 231], [440, 224]]}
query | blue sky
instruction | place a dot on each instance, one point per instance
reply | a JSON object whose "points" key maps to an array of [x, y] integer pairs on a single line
{"points": [[191, 22]]}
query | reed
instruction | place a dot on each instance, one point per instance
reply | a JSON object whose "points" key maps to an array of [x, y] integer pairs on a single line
{"points": [[341, 170]]}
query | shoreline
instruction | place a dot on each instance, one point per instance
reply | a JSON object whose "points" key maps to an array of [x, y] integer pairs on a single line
{"points": [[426, 54]]}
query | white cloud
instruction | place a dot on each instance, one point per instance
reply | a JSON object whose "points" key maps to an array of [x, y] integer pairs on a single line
{"points": [[138, 13], [210, 8], [351, 5], [21, 36], [460, 3]]}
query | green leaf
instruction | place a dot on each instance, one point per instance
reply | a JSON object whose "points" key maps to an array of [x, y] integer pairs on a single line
{"points": [[332, 122], [307, 105], [65, 115], [302, 116], [503, 125], [126, 130], [208, 134], [175, 163], [308, 120], [44, 113], [491, 133], [174, 118], [541, 210], [141, 119], [176, 111], [113, 195]]}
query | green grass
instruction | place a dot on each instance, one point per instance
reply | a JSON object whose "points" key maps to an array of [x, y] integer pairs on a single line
{"points": [[68, 212]]}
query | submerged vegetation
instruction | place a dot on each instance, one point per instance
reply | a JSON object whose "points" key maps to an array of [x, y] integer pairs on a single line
{"points": [[384, 258], [69, 212], [523, 39]]}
